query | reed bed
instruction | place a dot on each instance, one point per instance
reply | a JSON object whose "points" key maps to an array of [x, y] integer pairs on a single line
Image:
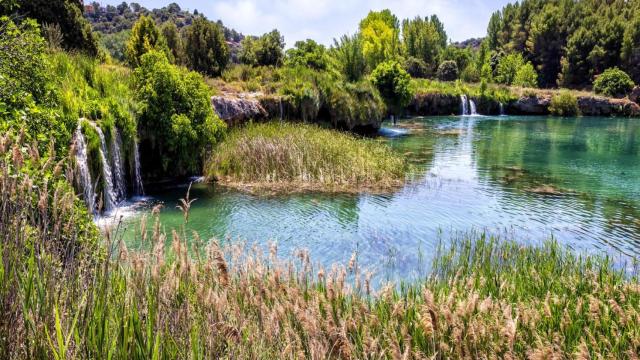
{"points": [[299, 156], [64, 295]]}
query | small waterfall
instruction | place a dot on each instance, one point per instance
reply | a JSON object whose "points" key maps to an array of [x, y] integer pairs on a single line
{"points": [[464, 105], [137, 184], [472, 107], [281, 110], [120, 185], [501, 109], [83, 169], [109, 194]]}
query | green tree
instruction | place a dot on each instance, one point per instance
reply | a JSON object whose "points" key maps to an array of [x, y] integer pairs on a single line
{"points": [[447, 71], [631, 49], [308, 53], [393, 84], [508, 67], [176, 123], [145, 37], [547, 40], [421, 40], [379, 32], [270, 49], [23, 72], [205, 48], [172, 36], [66, 13], [247, 54], [349, 57], [526, 76], [613, 82]]}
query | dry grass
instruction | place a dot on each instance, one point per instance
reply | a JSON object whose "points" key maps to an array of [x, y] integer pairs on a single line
{"points": [[182, 298], [298, 157]]}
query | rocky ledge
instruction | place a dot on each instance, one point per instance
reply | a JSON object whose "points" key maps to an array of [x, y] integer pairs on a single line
{"points": [[238, 109], [588, 105]]}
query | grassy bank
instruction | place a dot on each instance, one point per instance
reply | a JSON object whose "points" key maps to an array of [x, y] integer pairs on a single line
{"points": [[63, 296], [284, 156]]}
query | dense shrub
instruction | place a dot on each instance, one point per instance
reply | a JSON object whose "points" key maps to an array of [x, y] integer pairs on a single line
{"points": [[564, 104], [447, 71], [177, 124], [526, 76], [393, 84], [417, 68], [613, 82], [308, 53]]}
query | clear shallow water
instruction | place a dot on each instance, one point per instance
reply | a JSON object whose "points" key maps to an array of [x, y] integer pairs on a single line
{"points": [[523, 177]]}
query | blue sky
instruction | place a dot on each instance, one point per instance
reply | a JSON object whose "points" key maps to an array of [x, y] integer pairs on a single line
{"points": [[324, 20]]}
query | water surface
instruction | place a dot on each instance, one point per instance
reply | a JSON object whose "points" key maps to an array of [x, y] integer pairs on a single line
{"points": [[577, 179]]}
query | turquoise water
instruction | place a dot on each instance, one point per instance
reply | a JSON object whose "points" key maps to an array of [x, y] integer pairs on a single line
{"points": [[528, 178]]}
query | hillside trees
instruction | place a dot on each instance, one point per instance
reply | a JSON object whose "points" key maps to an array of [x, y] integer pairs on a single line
{"points": [[205, 48]]}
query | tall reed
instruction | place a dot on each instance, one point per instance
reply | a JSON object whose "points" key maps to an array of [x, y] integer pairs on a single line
{"points": [[65, 296]]}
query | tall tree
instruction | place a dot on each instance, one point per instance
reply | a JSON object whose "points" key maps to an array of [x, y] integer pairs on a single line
{"points": [[67, 14], [205, 48], [145, 37], [421, 40], [349, 57], [379, 32]]}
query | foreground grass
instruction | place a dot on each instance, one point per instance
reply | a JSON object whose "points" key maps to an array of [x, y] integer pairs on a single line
{"points": [[485, 298], [297, 156]]}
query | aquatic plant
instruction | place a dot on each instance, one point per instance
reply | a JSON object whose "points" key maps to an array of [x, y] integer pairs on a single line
{"points": [[301, 156]]}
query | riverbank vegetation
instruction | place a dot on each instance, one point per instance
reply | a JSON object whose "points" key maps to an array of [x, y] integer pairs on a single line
{"points": [[65, 295], [298, 157]]}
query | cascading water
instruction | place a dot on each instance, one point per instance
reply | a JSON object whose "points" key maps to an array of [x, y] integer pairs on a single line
{"points": [[83, 169], [120, 185], [472, 107], [464, 105], [281, 110], [109, 194], [137, 184], [501, 109]]}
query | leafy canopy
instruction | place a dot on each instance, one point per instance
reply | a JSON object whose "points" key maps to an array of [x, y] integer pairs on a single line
{"points": [[392, 81], [176, 122]]}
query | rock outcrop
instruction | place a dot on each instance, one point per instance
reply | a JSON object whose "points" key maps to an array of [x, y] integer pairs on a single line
{"points": [[588, 105], [236, 110], [434, 104]]}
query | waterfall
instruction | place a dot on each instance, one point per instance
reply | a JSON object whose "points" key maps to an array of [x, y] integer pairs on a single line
{"points": [[137, 184], [281, 109], [472, 106], [120, 185], [501, 109], [83, 169], [464, 105], [109, 194]]}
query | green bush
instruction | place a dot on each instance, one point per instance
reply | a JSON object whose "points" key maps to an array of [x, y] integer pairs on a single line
{"points": [[447, 71], [526, 76], [417, 68], [564, 104], [393, 84], [176, 121], [613, 82]]}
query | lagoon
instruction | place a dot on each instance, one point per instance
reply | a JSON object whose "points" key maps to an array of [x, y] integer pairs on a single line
{"points": [[527, 178]]}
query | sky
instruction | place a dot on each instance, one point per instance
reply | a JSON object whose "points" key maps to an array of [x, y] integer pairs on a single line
{"points": [[324, 20]]}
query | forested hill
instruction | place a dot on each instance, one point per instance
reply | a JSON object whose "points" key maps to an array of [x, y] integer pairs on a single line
{"points": [[111, 19], [570, 41], [115, 22]]}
